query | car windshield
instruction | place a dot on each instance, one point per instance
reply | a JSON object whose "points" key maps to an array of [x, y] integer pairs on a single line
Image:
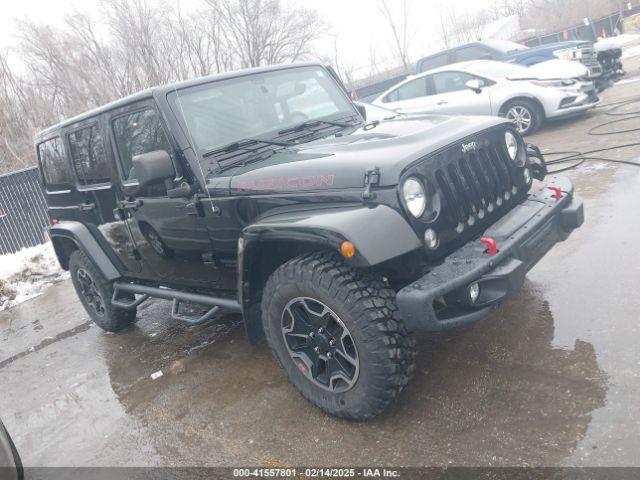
{"points": [[259, 105], [505, 46], [498, 69]]}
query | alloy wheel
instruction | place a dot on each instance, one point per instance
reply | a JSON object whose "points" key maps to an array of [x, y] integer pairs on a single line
{"points": [[320, 344], [521, 118], [89, 291]]}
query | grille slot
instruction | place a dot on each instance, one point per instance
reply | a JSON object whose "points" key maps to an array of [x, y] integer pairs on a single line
{"points": [[475, 183]]}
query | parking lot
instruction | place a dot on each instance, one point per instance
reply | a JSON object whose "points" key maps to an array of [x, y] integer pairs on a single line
{"points": [[550, 378]]}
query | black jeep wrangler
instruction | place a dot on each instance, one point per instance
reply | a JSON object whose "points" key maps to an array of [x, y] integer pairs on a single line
{"points": [[267, 192]]}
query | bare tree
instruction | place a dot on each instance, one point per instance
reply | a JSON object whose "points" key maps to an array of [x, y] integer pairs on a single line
{"points": [[263, 32], [399, 29]]}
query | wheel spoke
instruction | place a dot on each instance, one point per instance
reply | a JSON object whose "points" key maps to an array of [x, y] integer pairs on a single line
{"points": [[320, 343]]}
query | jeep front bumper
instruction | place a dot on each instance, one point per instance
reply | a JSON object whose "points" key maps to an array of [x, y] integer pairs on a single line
{"points": [[440, 300]]}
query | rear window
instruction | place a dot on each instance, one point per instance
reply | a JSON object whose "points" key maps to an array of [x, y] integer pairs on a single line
{"points": [[435, 61], [88, 156], [55, 167]]}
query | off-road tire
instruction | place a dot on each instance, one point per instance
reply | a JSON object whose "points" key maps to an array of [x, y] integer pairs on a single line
{"points": [[114, 318], [537, 116], [367, 307]]}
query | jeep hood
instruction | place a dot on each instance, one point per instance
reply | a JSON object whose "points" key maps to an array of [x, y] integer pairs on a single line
{"points": [[339, 162]]}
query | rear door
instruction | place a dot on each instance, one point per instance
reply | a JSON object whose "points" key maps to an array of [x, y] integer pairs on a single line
{"points": [[95, 188], [410, 97], [451, 95]]}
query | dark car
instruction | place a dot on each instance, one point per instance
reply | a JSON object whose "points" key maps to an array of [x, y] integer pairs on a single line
{"points": [[266, 192], [10, 463], [506, 51]]}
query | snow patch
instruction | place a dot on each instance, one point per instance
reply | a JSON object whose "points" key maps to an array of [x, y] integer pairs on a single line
{"points": [[631, 52], [620, 40], [27, 273]]}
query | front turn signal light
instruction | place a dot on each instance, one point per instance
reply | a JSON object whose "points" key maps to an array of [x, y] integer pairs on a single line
{"points": [[347, 249]]}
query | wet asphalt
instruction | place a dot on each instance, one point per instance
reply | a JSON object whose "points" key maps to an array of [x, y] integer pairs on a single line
{"points": [[550, 378]]}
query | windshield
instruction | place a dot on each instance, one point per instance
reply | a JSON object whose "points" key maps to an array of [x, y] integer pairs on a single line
{"points": [[505, 46], [258, 105], [498, 69]]}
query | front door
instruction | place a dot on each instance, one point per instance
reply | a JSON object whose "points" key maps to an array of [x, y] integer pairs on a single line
{"points": [[169, 234]]}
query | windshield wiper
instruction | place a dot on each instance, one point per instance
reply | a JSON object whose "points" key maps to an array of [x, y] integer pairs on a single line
{"points": [[244, 143], [313, 123]]}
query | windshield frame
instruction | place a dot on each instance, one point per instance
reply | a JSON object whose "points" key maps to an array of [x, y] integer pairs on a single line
{"points": [[172, 97]]}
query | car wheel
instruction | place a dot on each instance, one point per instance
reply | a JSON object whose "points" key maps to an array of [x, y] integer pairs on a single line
{"points": [[338, 335], [525, 115], [95, 293]]}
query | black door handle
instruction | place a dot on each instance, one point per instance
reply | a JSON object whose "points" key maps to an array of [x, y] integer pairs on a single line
{"points": [[133, 204]]}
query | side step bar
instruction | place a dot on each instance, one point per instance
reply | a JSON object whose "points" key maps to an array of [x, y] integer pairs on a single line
{"points": [[215, 303]]}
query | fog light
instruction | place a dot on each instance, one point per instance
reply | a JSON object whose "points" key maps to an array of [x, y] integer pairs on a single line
{"points": [[527, 175], [431, 239], [474, 292]]}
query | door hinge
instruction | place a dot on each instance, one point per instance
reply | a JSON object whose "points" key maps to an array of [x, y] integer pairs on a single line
{"points": [[371, 179]]}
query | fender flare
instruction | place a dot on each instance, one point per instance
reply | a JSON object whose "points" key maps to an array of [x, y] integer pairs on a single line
{"points": [[378, 233], [81, 236]]}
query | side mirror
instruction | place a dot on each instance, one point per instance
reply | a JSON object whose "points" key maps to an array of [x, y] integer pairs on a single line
{"points": [[474, 84], [152, 167], [361, 109]]}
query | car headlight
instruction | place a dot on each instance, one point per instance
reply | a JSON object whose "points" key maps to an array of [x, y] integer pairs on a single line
{"points": [[511, 143], [414, 196], [565, 82], [568, 53]]}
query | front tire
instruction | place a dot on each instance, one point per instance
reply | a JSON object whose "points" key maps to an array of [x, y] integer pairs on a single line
{"points": [[338, 335], [95, 293], [526, 116]]}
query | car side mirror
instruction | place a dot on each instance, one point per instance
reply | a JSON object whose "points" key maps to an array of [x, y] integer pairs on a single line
{"points": [[153, 167], [474, 84], [361, 110]]}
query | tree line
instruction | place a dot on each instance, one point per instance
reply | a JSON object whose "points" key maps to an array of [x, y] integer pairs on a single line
{"points": [[56, 72]]}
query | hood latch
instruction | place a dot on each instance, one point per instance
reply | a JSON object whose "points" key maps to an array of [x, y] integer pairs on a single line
{"points": [[371, 179]]}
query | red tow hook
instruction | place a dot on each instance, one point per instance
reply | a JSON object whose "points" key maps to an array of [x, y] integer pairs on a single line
{"points": [[492, 246], [557, 192]]}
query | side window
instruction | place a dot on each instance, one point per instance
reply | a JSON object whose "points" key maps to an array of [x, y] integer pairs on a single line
{"points": [[445, 82], [88, 156], [413, 89], [53, 161], [436, 61], [136, 133], [472, 53]]}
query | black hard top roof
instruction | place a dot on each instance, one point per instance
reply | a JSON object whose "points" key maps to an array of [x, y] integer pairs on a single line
{"points": [[160, 91]]}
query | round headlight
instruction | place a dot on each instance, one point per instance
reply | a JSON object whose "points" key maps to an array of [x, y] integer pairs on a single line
{"points": [[414, 196], [511, 142]]}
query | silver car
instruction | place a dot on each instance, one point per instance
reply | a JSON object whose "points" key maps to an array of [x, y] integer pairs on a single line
{"points": [[526, 95]]}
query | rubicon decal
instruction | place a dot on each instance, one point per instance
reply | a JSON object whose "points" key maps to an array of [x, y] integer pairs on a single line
{"points": [[286, 183], [467, 147]]}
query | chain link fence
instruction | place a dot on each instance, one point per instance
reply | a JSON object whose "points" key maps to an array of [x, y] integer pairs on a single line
{"points": [[603, 27], [23, 211]]}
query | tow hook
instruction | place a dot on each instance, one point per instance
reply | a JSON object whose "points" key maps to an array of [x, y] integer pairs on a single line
{"points": [[492, 246]]}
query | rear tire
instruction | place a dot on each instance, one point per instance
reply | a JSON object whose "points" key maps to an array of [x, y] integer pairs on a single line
{"points": [[526, 116], [95, 292], [373, 353]]}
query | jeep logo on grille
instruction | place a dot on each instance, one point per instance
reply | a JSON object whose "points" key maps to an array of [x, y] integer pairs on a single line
{"points": [[467, 147]]}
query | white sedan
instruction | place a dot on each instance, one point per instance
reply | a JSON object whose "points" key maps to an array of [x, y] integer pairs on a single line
{"points": [[525, 95]]}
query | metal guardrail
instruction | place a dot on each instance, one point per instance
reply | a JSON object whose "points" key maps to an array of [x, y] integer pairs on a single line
{"points": [[23, 211]]}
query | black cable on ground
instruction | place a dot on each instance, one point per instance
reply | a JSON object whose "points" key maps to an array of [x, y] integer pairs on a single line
{"points": [[581, 157]]}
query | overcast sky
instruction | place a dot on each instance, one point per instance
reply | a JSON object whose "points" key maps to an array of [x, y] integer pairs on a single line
{"points": [[357, 24]]}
